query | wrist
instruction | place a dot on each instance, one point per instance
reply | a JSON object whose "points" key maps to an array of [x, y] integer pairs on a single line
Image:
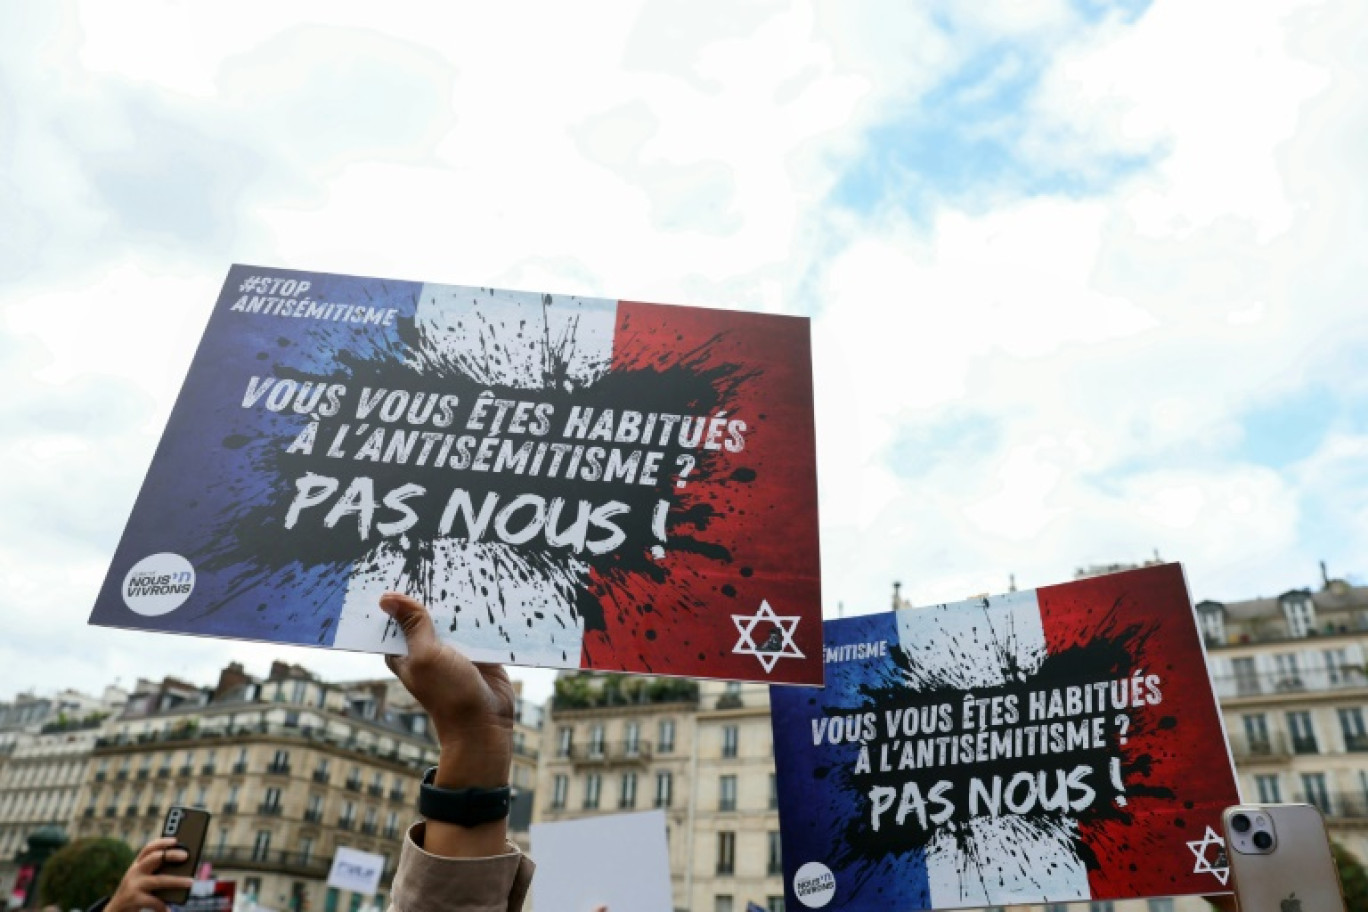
{"points": [[475, 766]]}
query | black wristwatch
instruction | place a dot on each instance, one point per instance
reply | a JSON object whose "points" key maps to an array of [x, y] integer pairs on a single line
{"points": [[465, 807]]}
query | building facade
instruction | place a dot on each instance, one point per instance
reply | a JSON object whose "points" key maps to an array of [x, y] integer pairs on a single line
{"points": [[700, 751], [290, 767]]}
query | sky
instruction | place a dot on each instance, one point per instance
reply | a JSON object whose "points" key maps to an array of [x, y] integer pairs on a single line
{"points": [[1080, 274]]}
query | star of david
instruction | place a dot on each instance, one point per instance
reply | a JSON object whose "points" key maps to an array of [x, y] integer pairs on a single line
{"points": [[778, 643], [1220, 868]]}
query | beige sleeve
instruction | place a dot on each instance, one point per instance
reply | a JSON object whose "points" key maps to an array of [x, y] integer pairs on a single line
{"points": [[430, 883]]}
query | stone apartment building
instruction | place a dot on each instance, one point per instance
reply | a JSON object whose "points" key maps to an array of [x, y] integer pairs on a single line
{"points": [[700, 751]]}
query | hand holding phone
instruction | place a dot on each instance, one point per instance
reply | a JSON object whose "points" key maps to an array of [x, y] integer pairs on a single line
{"points": [[1280, 859], [188, 827]]}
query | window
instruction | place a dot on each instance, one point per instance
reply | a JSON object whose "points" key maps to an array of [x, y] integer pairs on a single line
{"points": [[305, 848], [726, 793], [262, 846], [281, 760], [1300, 614], [1256, 733], [314, 812], [722, 902], [774, 904], [627, 798], [729, 739], [1303, 736], [559, 786], [1160, 905], [1313, 785], [773, 792], [1268, 788], [631, 739], [596, 740], [1351, 723], [565, 739], [664, 789], [1246, 677], [665, 743], [392, 824], [592, 784], [1337, 668], [776, 862], [272, 801], [1213, 625], [1287, 672], [1107, 906], [726, 852]]}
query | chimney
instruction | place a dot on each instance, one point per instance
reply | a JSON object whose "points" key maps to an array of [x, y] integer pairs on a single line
{"points": [[897, 599], [230, 678]]}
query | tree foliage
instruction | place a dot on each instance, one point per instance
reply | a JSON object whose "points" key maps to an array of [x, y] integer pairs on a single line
{"points": [[82, 872], [1353, 877]]}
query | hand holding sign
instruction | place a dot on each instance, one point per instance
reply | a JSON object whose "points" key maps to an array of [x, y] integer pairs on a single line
{"points": [[471, 706]]}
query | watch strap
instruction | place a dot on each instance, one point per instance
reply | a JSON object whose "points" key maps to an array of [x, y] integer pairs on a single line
{"points": [[466, 807]]}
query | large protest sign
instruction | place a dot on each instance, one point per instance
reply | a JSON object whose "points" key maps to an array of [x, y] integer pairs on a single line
{"points": [[568, 482], [1053, 745]]}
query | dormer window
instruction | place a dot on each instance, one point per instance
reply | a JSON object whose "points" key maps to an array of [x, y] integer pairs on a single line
{"points": [[1211, 616], [1300, 613]]}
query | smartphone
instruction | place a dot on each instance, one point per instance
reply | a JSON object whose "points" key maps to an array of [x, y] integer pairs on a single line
{"points": [[1280, 861], [188, 827]]}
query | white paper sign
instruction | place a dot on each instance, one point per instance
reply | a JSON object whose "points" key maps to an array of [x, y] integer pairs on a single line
{"points": [[620, 861], [356, 871]]}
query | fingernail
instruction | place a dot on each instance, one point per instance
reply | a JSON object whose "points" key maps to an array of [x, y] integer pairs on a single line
{"points": [[176, 855], [389, 603]]}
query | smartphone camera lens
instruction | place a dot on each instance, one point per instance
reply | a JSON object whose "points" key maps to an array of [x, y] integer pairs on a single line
{"points": [[1263, 841], [1240, 823]]}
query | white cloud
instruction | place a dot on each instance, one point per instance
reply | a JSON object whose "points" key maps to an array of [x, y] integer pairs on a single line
{"points": [[1020, 384]]}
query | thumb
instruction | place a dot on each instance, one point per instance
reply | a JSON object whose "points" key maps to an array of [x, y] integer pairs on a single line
{"points": [[415, 622]]}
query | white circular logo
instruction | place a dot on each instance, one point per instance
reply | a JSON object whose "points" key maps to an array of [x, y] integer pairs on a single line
{"points": [[158, 584], [814, 884]]}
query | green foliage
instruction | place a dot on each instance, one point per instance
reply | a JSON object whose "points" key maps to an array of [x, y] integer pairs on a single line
{"points": [[1353, 878], [587, 690], [82, 872]]}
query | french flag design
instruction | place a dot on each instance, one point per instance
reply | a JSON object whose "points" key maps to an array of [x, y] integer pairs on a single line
{"points": [[1052, 745], [568, 481]]}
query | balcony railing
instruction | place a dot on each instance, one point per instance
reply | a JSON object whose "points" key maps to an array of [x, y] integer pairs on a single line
{"points": [[266, 809], [368, 829], [1316, 680], [278, 769], [230, 808], [185, 770], [1337, 805], [1273, 747], [396, 794], [375, 791], [1356, 743], [143, 773], [207, 769], [399, 755], [101, 776], [353, 785], [164, 772], [320, 776], [313, 816], [345, 823], [612, 752], [239, 768], [154, 810], [253, 858]]}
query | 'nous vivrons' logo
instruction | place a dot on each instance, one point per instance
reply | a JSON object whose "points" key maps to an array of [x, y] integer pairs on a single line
{"points": [[158, 584]]}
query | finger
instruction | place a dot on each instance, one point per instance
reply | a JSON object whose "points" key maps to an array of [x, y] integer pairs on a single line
{"points": [[415, 622], [158, 852], [137, 902]]}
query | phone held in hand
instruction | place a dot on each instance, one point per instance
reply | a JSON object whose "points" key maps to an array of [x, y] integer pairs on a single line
{"points": [[1280, 859], [188, 827]]}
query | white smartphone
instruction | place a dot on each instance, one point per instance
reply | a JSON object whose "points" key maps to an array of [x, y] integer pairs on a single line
{"points": [[1280, 859]]}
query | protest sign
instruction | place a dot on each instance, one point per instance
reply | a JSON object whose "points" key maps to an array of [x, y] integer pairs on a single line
{"points": [[356, 871], [568, 482], [618, 861], [1053, 745]]}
